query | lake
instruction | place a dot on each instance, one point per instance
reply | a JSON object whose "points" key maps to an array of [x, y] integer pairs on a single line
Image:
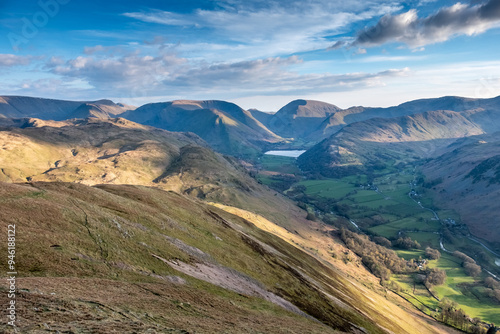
{"points": [[286, 153]]}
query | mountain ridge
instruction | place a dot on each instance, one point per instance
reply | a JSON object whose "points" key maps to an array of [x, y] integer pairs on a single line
{"points": [[421, 134], [227, 127], [232, 130], [53, 109]]}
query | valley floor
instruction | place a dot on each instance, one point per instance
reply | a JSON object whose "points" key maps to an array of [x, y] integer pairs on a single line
{"points": [[392, 204]]}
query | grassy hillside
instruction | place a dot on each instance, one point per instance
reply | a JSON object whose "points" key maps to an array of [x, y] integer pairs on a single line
{"points": [[470, 183], [119, 258], [182, 261]]}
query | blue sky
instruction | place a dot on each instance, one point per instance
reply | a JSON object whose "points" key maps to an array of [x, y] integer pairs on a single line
{"points": [[259, 54]]}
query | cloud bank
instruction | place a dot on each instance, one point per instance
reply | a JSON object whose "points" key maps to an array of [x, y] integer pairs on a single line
{"points": [[167, 74]]}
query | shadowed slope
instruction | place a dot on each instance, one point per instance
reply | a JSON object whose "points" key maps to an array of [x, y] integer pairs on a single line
{"points": [[49, 109], [366, 143], [469, 175], [482, 108], [299, 118], [225, 126]]}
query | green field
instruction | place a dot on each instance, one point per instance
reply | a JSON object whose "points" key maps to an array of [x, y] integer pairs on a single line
{"points": [[328, 188], [425, 239], [458, 287], [389, 200], [284, 165]]}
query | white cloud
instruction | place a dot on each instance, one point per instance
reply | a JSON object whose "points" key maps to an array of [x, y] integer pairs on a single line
{"points": [[49, 87], [162, 17], [389, 59], [271, 28], [446, 23], [122, 72], [167, 74], [9, 60]]}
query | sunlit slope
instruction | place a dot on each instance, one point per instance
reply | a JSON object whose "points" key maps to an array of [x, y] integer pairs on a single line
{"points": [[89, 151], [319, 244]]}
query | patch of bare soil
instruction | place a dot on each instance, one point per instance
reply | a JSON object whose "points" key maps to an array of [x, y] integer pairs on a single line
{"points": [[233, 280]]}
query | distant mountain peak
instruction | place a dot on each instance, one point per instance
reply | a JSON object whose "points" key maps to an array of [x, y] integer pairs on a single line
{"points": [[299, 118], [308, 108]]}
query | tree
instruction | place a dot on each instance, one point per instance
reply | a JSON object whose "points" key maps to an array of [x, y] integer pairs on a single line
{"points": [[382, 241], [490, 282], [476, 329], [435, 276], [311, 216], [472, 269], [407, 243], [432, 254], [496, 294], [382, 262], [463, 257]]}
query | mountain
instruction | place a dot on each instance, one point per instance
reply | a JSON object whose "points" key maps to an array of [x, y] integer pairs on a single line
{"points": [[225, 126], [300, 118], [309, 122], [382, 140], [90, 151], [100, 109], [117, 151], [232, 130], [49, 109], [261, 116], [452, 103], [23, 106], [466, 178]]}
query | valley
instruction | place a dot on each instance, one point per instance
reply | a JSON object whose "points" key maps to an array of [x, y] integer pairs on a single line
{"points": [[250, 167], [395, 203]]}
